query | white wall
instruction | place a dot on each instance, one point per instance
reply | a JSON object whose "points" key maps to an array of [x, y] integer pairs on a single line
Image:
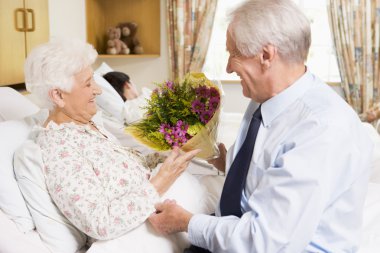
{"points": [[68, 19], [234, 101]]}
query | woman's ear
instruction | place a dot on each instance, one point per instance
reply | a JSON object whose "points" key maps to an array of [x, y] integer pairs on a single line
{"points": [[56, 97], [267, 56], [127, 85]]}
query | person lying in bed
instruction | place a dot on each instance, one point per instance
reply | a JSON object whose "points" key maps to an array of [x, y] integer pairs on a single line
{"points": [[104, 189], [133, 100]]}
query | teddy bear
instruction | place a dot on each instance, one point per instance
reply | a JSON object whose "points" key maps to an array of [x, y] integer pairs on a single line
{"points": [[114, 44], [128, 36]]}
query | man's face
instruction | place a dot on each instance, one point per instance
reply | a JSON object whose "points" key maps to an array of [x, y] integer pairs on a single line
{"points": [[248, 69]]}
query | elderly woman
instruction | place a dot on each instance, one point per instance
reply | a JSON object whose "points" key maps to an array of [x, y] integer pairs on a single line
{"points": [[104, 189]]}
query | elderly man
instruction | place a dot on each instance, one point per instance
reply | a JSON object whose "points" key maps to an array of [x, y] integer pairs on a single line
{"points": [[297, 173]]}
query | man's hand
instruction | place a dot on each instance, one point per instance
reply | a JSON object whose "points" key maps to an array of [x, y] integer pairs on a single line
{"points": [[220, 161], [170, 218]]}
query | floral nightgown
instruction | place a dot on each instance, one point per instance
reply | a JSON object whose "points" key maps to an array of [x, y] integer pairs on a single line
{"points": [[101, 187]]}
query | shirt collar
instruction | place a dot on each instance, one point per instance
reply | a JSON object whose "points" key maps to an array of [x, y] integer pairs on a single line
{"points": [[274, 106]]}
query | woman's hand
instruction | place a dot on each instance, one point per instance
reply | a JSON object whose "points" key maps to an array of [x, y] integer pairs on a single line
{"points": [[220, 161], [171, 169]]}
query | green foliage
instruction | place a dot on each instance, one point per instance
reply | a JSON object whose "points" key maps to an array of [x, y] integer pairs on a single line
{"points": [[169, 103]]}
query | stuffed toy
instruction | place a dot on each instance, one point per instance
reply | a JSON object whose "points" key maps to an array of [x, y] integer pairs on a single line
{"points": [[128, 36], [114, 44]]}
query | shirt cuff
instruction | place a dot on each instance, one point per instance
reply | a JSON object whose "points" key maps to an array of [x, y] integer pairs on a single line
{"points": [[198, 226]]}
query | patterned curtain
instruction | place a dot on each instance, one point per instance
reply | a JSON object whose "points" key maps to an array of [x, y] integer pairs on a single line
{"points": [[189, 24], [355, 26]]}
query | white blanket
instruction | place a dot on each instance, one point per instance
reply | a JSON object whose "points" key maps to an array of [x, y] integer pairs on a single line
{"points": [[190, 194]]}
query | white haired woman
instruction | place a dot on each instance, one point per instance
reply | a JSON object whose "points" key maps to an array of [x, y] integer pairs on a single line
{"points": [[104, 189]]}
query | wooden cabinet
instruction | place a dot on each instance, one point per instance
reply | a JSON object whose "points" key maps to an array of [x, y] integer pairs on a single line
{"points": [[102, 14], [23, 25]]}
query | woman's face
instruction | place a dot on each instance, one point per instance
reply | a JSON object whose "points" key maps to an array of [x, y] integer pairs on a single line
{"points": [[79, 103]]}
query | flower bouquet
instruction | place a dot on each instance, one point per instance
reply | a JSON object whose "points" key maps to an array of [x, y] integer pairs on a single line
{"points": [[183, 113]]}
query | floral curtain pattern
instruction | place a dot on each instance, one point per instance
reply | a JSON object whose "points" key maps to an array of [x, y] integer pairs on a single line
{"points": [[355, 26], [190, 24]]}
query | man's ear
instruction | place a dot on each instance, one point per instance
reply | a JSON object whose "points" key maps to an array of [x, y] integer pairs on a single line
{"points": [[267, 56], [56, 97]]}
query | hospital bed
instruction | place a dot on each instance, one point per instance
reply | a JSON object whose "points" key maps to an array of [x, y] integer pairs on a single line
{"points": [[15, 124]]}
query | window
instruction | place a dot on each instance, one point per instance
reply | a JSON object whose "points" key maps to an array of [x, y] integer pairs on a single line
{"points": [[321, 60]]}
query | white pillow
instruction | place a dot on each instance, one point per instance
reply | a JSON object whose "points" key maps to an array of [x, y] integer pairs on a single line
{"points": [[14, 241], [54, 229], [14, 105], [109, 101], [133, 108], [12, 134], [103, 69]]}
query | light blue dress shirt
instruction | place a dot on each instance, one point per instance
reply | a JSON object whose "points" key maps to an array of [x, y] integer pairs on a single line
{"points": [[307, 180]]}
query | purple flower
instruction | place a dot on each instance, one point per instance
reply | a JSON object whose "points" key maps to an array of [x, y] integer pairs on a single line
{"points": [[197, 106], [182, 126], [170, 138], [170, 85], [213, 103], [165, 128], [203, 91], [206, 116], [214, 92]]}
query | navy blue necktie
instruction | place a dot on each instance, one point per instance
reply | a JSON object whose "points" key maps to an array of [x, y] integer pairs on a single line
{"points": [[236, 177]]}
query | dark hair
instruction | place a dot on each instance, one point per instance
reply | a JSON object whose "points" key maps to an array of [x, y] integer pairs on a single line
{"points": [[117, 80]]}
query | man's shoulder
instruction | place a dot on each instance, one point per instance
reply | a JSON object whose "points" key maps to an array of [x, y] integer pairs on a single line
{"points": [[328, 107]]}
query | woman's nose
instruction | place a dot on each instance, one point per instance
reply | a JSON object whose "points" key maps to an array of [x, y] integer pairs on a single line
{"points": [[97, 89]]}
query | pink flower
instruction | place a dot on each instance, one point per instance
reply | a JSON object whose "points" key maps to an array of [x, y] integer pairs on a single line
{"points": [[206, 116], [58, 188], [75, 198], [63, 154], [165, 128], [213, 103], [170, 138], [122, 182], [131, 207], [197, 106], [182, 125], [117, 221], [170, 85], [214, 92], [102, 232], [203, 91]]}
